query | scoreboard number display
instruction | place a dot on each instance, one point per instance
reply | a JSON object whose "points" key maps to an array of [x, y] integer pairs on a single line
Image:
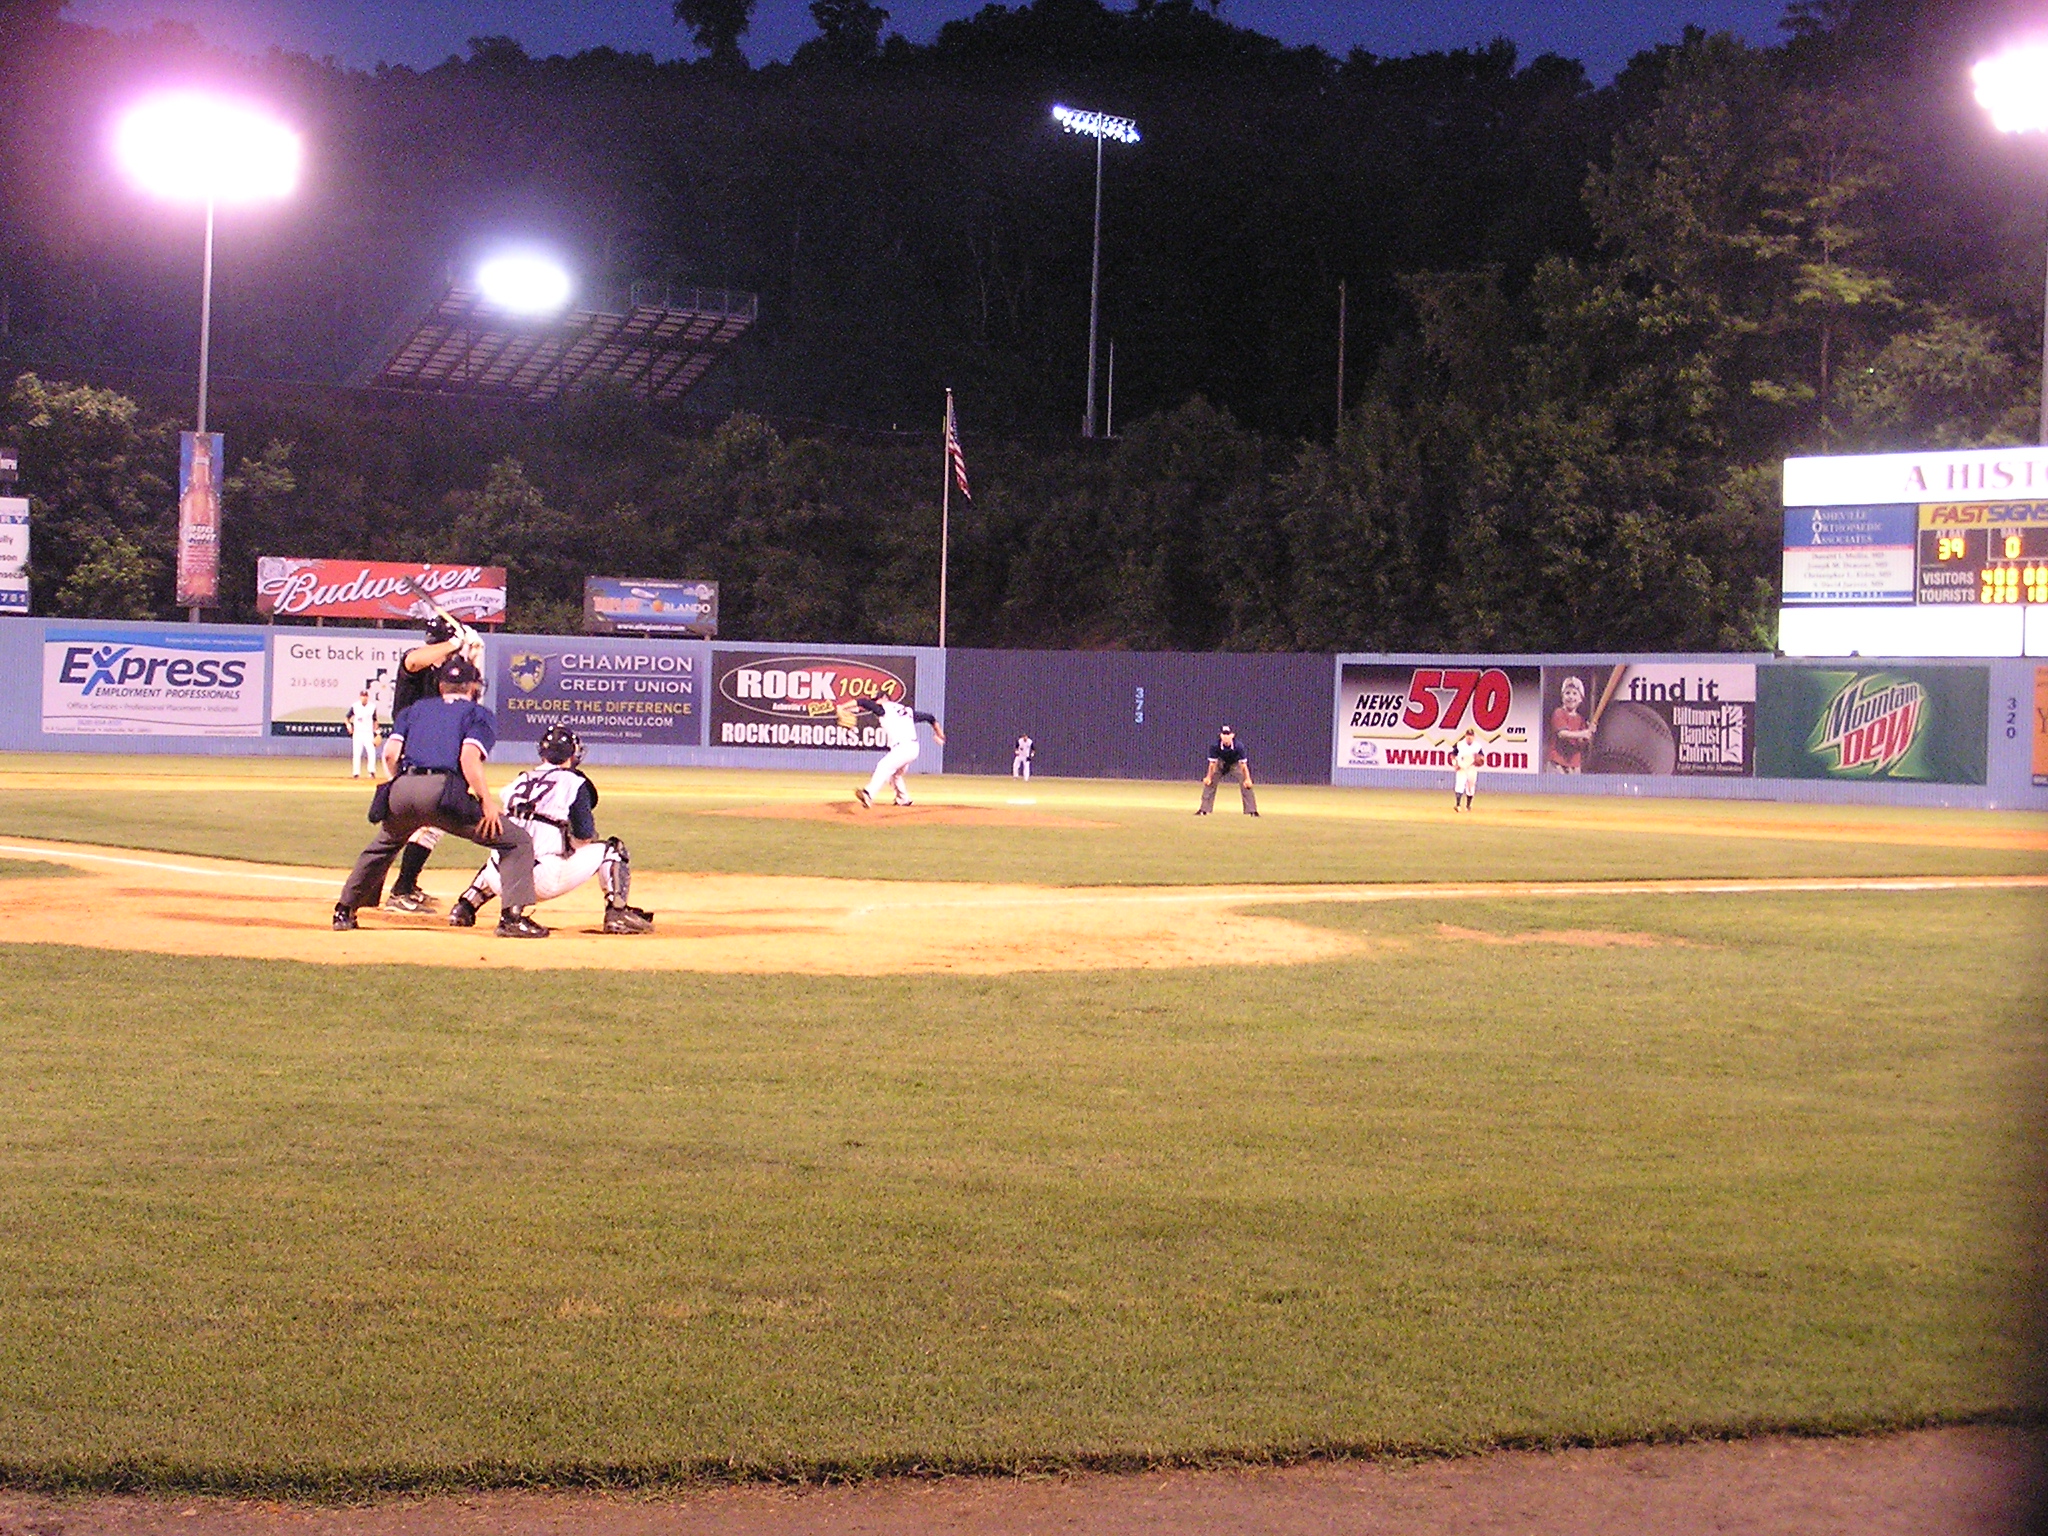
{"points": [[1983, 552]]}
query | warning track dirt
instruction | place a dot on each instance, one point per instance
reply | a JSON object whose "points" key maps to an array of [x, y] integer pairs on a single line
{"points": [[180, 904]]}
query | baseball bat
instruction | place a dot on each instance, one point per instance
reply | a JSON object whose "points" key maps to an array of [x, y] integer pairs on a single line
{"points": [[411, 588], [1607, 693]]}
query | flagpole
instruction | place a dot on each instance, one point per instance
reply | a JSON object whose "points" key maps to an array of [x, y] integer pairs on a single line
{"points": [[945, 510]]}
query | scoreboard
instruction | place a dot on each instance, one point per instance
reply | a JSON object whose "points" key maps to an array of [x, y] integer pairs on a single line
{"points": [[1983, 552], [1940, 553]]}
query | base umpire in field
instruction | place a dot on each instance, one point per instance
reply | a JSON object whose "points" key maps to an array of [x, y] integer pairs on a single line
{"points": [[436, 755], [1227, 758]]}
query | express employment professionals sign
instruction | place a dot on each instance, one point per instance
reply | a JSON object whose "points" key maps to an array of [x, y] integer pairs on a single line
{"points": [[129, 682], [643, 691]]}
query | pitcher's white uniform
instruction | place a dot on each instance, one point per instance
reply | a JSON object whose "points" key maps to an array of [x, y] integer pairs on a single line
{"points": [[899, 735], [554, 804], [362, 730]]}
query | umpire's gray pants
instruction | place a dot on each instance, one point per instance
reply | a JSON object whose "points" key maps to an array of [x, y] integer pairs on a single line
{"points": [[416, 803], [1244, 783]]}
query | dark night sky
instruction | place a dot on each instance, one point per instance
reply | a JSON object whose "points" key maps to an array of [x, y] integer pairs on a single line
{"points": [[1603, 33]]}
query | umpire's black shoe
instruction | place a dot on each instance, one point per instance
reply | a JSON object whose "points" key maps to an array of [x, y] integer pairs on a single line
{"points": [[462, 914], [517, 925], [344, 920]]}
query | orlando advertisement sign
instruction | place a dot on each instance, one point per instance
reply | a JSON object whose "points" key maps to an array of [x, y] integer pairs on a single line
{"points": [[762, 699], [127, 682]]}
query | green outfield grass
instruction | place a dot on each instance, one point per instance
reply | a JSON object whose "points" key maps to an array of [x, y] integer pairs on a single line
{"points": [[309, 812], [280, 1227]]}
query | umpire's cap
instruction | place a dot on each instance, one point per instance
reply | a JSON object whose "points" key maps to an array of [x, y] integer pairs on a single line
{"points": [[459, 672]]}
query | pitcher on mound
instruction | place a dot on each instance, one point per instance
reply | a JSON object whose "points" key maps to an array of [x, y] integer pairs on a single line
{"points": [[899, 735]]}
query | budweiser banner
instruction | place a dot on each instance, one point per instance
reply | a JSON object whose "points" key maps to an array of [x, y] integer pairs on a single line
{"points": [[375, 589], [1928, 724], [199, 471]]}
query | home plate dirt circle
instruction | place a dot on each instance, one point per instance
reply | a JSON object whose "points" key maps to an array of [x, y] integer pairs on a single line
{"points": [[165, 903]]}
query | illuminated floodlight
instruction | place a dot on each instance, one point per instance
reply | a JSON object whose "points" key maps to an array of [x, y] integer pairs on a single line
{"points": [[1097, 125], [191, 147], [2013, 88], [524, 284]]}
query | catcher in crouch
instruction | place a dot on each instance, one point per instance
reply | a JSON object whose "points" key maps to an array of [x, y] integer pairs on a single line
{"points": [[557, 804]]}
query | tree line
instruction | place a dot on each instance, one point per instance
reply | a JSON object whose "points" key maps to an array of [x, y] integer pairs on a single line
{"points": [[1587, 325]]}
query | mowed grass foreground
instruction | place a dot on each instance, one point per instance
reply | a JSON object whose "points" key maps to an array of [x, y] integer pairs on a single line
{"points": [[267, 1226]]}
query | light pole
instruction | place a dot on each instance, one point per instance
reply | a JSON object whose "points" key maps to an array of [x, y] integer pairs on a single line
{"points": [[1097, 126], [192, 148], [189, 147], [2013, 88]]}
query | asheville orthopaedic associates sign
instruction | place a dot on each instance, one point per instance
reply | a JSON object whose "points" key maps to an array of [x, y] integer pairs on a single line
{"points": [[127, 682]]}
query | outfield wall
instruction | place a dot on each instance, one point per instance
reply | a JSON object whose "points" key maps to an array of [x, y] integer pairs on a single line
{"points": [[1138, 714], [1900, 731], [1908, 732]]}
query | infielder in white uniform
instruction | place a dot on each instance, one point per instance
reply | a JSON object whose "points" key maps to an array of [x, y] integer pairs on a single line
{"points": [[899, 735], [1465, 769], [556, 804], [1020, 765], [362, 732]]}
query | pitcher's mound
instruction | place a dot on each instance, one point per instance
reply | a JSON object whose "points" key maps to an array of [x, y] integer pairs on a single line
{"points": [[910, 815]]}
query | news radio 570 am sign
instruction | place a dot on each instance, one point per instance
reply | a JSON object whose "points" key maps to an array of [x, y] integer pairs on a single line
{"points": [[1408, 718]]}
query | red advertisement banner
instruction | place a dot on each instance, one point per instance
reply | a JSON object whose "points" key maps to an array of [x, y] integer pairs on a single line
{"points": [[378, 589]]}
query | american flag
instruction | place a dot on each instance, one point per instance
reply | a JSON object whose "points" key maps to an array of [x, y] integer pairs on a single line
{"points": [[953, 455]]}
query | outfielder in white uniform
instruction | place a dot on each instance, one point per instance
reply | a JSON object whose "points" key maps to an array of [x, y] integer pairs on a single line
{"points": [[1465, 769], [362, 732], [556, 804], [899, 735], [1020, 765]]}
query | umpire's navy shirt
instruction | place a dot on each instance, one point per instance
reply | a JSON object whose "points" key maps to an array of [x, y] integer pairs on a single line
{"points": [[435, 729]]}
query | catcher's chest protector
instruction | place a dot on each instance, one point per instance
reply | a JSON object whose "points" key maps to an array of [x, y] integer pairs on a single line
{"points": [[540, 799]]}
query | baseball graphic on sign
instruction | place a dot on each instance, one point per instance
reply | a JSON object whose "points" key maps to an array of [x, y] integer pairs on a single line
{"points": [[1633, 738]]}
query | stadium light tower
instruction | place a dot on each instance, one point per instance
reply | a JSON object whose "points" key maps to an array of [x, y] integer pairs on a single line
{"points": [[1097, 126], [2013, 88], [525, 283], [189, 147]]}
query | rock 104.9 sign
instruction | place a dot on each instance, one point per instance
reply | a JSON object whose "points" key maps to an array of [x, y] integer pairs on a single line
{"points": [[1409, 718], [765, 699]]}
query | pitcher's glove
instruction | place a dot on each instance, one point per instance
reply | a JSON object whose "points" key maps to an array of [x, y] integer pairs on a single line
{"points": [[847, 715]]}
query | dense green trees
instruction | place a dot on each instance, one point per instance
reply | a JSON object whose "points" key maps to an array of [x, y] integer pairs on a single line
{"points": [[1587, 325]]}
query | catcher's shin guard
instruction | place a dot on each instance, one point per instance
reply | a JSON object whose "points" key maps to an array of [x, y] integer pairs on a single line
{"points": [[615, 874]]}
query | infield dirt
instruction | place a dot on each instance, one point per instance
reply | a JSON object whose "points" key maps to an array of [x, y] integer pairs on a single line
{"points": [[186, 905]]}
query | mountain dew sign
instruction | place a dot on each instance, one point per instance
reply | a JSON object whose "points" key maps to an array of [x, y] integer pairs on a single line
{"points": [[1915, 724]]}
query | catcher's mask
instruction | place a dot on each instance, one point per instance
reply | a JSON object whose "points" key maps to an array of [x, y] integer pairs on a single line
{"points": [[561, 746]]}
